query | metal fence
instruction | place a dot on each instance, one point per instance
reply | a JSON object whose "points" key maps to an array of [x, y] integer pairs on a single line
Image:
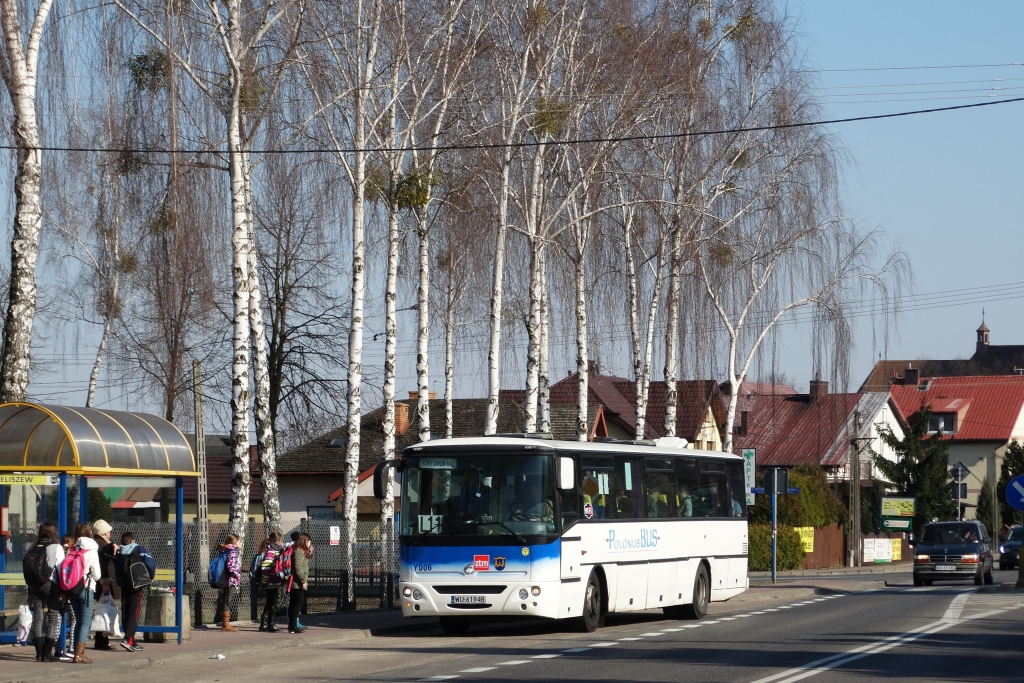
{"points": [[375, 567]]}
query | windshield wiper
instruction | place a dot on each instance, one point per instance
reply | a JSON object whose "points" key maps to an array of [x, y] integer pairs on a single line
{"points": [[426, 531], [516, 536]]}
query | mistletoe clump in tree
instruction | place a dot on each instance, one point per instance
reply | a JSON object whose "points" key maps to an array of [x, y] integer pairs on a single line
{"points": [[920, 470]]}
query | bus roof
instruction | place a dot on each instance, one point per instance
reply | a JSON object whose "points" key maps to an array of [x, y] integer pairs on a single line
{"points": [[551, 445]]}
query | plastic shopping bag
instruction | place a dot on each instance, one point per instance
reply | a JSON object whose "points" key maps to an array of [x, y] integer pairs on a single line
{"points": [[24, 623], [105, 618]]}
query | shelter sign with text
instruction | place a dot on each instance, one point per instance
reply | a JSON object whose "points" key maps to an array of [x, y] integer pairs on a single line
{"points": [[896, 514]]}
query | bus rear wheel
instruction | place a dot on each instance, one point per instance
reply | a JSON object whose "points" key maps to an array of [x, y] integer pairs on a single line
{"points": [[455, 626], [698, 608], [592, 616]]}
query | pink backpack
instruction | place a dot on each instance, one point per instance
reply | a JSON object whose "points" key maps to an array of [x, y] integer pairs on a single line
{"points": [[71, 572]]}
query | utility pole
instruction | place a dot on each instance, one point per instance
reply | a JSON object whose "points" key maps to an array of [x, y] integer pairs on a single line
{"points": [[855, 492]]}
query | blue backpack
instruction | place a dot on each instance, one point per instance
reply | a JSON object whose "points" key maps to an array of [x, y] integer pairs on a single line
{"points": [[217, 574]]}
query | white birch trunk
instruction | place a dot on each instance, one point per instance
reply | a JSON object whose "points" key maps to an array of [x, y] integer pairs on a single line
{"points": [[498, 273], [734, 397], [240, 245], [634, 322], [543, 378], [449, 357], [20, 71], [112, 286], [387, 505], [423, 333], [533, 211], [582, 353], [645, 379], [672, 335], [266, 446]]}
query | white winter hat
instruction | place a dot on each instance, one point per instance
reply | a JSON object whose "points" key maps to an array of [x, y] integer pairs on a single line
{"points": [[101, 528]]}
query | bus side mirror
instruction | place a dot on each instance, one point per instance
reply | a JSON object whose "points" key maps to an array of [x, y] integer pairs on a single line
{"points": [[378, 477], [566, 474]]}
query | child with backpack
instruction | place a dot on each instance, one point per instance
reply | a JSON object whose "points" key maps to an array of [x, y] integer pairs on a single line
{"points": [[226, 575], [301, 551], [78, 575], [67, 543], [134, 569], [39, 564], [267, 559]]}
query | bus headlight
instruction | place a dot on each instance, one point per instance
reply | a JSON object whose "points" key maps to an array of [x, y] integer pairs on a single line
{"points": [[407, 592], [535, 590], [416, 595], [523, 594]]}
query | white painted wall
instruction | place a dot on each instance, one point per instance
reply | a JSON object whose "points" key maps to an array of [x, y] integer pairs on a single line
{"points": [[298, 491]]}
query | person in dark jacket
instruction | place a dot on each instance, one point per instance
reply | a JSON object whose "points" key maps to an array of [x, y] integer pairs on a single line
{"points": [[101, 534], [45, 595], [126, 554], [298, 582], [270, 549]]}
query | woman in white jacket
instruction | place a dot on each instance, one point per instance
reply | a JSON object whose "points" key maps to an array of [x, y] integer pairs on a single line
{"points": [[82, 604]]}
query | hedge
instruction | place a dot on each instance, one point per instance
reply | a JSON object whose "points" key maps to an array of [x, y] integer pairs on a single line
{"points": [[790, 549]]}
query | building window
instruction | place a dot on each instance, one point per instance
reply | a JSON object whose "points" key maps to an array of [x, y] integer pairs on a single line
{"points": [[942, 422]]}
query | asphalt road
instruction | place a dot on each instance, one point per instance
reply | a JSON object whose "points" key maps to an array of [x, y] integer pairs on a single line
{"points": [[945, 632]]}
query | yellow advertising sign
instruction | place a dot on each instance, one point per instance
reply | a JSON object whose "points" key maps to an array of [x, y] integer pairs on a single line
{"points": [[897, 507], [806, 537], [29, 479], [897, 550]]}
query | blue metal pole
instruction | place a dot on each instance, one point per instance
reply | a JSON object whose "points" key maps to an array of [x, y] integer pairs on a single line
{"points": [[179, 560], [62, 503], [83, 500], [775, 480]]}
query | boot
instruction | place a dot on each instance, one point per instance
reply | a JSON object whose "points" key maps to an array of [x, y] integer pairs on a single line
{"points": [[80, 657], [263, 622], [38, 642], [48, 651], [270, 624], [226, 622]]}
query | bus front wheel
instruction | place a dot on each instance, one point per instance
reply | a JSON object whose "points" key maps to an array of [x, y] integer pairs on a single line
{"points": [[592, 614], [701, 595], [455, 626]]}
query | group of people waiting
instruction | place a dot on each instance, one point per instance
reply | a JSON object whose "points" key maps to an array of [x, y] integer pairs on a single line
{"points": [[276, 568], [96, 567]]}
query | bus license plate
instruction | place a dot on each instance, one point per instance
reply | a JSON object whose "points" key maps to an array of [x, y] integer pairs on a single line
{"points": [[945, 567], [467, 600]]}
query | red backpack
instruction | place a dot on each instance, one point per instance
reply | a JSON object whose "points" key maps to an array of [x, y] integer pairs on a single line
{"points": [[71, 572]]}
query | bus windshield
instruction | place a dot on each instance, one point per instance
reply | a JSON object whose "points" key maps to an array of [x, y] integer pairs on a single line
{"points": [[467, 494]]}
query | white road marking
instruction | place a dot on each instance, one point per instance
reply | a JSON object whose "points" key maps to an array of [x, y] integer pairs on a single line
{"points": [[651, 634], [922, 589], [693, 625], [603, 644], [710, 622], [514, 662], [757, 612], [549, 656], [949, 619], [727, 618], [629, 638], [806, 602], [477, 670], [818, 600], [439, 678], [743, 616], [785, 606], [577, 649], [773, 609]]}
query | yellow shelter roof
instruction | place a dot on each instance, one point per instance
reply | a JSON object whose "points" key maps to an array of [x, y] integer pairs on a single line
{"points": [[48, 438]]}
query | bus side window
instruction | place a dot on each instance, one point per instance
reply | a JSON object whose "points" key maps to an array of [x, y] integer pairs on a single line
{"points": [[569, 501], [687, 478], [659, 487], [737, 490], [595, 485], [710, 496], [627, 488]]}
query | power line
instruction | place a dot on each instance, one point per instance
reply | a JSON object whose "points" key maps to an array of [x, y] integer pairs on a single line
{"points": [[921, 68], [534, 143]]}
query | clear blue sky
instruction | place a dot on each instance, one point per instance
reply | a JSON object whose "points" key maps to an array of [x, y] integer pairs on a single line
{"points": [[944, 186]]}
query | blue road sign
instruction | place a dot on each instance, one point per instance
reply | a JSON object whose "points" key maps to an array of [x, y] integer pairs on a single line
{"points": [[1015, 493]]}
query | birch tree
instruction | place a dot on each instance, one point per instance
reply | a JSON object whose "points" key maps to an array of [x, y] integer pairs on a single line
{"points": [[19, 66]]}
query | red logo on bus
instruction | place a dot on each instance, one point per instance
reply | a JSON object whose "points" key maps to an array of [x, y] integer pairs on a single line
{"points": [[481, 563]]}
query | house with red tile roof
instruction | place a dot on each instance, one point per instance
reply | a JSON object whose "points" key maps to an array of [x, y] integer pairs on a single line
{"points": [[817, 428], [977, 415]]}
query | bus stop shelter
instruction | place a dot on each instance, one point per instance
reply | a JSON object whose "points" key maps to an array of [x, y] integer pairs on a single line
{"points": [[58, 449]]}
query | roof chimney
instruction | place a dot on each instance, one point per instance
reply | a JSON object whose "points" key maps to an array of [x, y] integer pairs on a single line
{"points": [[819, 389], [912, 376], [415, 395], [401, 418]]}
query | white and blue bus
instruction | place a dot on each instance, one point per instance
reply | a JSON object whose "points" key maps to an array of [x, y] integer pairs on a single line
{"points": [[502, 526]]}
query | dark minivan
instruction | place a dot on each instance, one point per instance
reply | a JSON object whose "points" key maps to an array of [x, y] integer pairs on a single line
{"points": [[953, 551]]}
